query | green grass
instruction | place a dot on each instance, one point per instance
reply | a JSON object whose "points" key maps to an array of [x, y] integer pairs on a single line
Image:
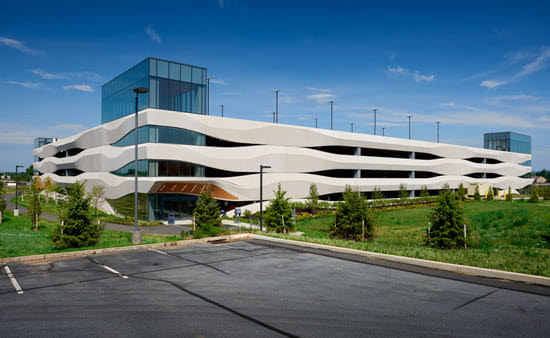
{"points": [[515, 236], [17, 237]]}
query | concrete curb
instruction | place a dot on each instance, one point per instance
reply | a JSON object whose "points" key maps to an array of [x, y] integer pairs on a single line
{"points": [[69, 254], [462, 269]]}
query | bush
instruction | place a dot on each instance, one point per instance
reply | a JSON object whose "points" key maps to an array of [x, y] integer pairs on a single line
{"points": [[208, 231], [545, 192], [313, 199], [509, 194], [377, 194], [490, 195], [461, 192], [403, 193], [424, 194], [534, 195], [477, 195], [350, 215], [279, 209], [447, 221], [78, 229]]}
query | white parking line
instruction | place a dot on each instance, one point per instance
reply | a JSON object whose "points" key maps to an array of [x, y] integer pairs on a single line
{"points": [[110, 269], [14, 282], [160, 252]]}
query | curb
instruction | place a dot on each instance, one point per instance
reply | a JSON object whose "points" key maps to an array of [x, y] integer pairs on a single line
{"points": [[456, 268], [82, 253]]}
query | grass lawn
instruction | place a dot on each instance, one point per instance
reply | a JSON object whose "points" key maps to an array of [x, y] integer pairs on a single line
{"points": [[17, 238], [515, 236]]}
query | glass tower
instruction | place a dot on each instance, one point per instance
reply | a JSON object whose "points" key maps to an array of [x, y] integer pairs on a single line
{"points": [[172, 86], [508, 141]]}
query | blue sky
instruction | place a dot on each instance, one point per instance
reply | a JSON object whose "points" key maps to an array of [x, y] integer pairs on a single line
{"points": [[477, 67]]}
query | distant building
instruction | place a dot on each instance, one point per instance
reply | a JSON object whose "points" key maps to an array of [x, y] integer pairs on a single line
{"points": [[540, 180]]}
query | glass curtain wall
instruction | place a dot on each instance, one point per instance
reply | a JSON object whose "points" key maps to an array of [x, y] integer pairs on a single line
{"points": [[160, 134], [156, 168]]}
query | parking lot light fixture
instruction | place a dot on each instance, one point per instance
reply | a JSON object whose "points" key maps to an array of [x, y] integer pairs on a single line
{"points": [[16, 211], [136, 234], [262, 167]]}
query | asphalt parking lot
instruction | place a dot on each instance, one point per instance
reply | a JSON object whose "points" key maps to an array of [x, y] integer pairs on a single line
{"points": [[255, 288]]}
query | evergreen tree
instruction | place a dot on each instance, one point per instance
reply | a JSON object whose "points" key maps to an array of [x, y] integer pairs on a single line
{"points": [[279, 209], [490, 195], [350, 214], [377, 194], [461, 192], [78, 229], [447, 221], [313, 199], [509, 194], [35, 206], [477, 195], [207, 212], [534, 195]]}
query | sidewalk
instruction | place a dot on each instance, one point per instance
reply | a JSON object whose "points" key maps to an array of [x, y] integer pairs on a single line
{"points": [[154, 230]]}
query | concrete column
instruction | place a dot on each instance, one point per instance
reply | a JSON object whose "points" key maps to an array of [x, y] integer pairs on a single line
{"points": [[357, 173], [484, 162], [412, 156]]}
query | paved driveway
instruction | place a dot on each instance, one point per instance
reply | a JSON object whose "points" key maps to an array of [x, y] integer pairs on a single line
{"points": [[255, 288]]}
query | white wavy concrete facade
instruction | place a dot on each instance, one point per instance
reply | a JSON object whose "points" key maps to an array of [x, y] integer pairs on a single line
{"points": [[286, 148]]}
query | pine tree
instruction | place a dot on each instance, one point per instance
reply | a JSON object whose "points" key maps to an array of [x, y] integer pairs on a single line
{"points": [[461, 192], [35, 206], [313, 199], [509, 194], [490, 195], [207, 212], [350, 214], [79, 230], [447, 221], [477, 195], [279, 209]]}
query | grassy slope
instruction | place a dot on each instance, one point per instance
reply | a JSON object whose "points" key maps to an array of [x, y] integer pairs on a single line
{"points": [[18, 239], [511, 236]]}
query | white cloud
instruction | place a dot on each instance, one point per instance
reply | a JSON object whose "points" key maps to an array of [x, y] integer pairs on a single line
{"points": [[322, 90], [419, 77], [152, 34], [539, 63], [218, 81], [24, 84], [493, 83], [90, 76], [321, 98], [81, 87], [448, 104], [17, 133], [511, 98], [20, 46], [397, 70]]}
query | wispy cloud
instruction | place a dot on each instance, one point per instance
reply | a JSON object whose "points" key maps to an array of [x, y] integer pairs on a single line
{"points": [[24, 84], [541, 61], [85, 75], [152, 34], [17, 133], [495, 100], [322, 90], [217, 81], [321, 98], [447, 104], [18, 45], [398, 71], [81, 87]]}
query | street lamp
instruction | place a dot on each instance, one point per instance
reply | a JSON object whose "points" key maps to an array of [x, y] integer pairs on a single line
{"points": [[273, 117], [331, 109], [383, 128], [351, 126], [409, 116], [316, 121], [277, 106], [375, 110], [437, 131], [136, 233], [222, 110], [262, 167], [16, 211]]}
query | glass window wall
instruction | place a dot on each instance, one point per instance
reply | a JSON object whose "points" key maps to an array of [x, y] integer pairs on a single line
{"points": [[160, 134], [157, 168]]}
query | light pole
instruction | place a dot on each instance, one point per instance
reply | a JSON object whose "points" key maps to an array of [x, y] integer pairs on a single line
{"points": [[316, 121], [262, 167], [383, 128], [277, 106], [136, 233], [375, 110], [351, 124], [222, 109], [437, 131], [273, 117], [409, 116], [16, 211], [331, 110]]}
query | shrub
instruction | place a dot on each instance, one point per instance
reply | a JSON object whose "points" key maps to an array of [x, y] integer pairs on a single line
{"points": [[377, 194], [534, 195], [2, 201], [545, 193], [78, 229], [461, 192], [477, 195], [350, 214], [403, 193], [424, 192], [447, 221], [279, 209], [313, 199], [509, 194], [490, 195]]}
